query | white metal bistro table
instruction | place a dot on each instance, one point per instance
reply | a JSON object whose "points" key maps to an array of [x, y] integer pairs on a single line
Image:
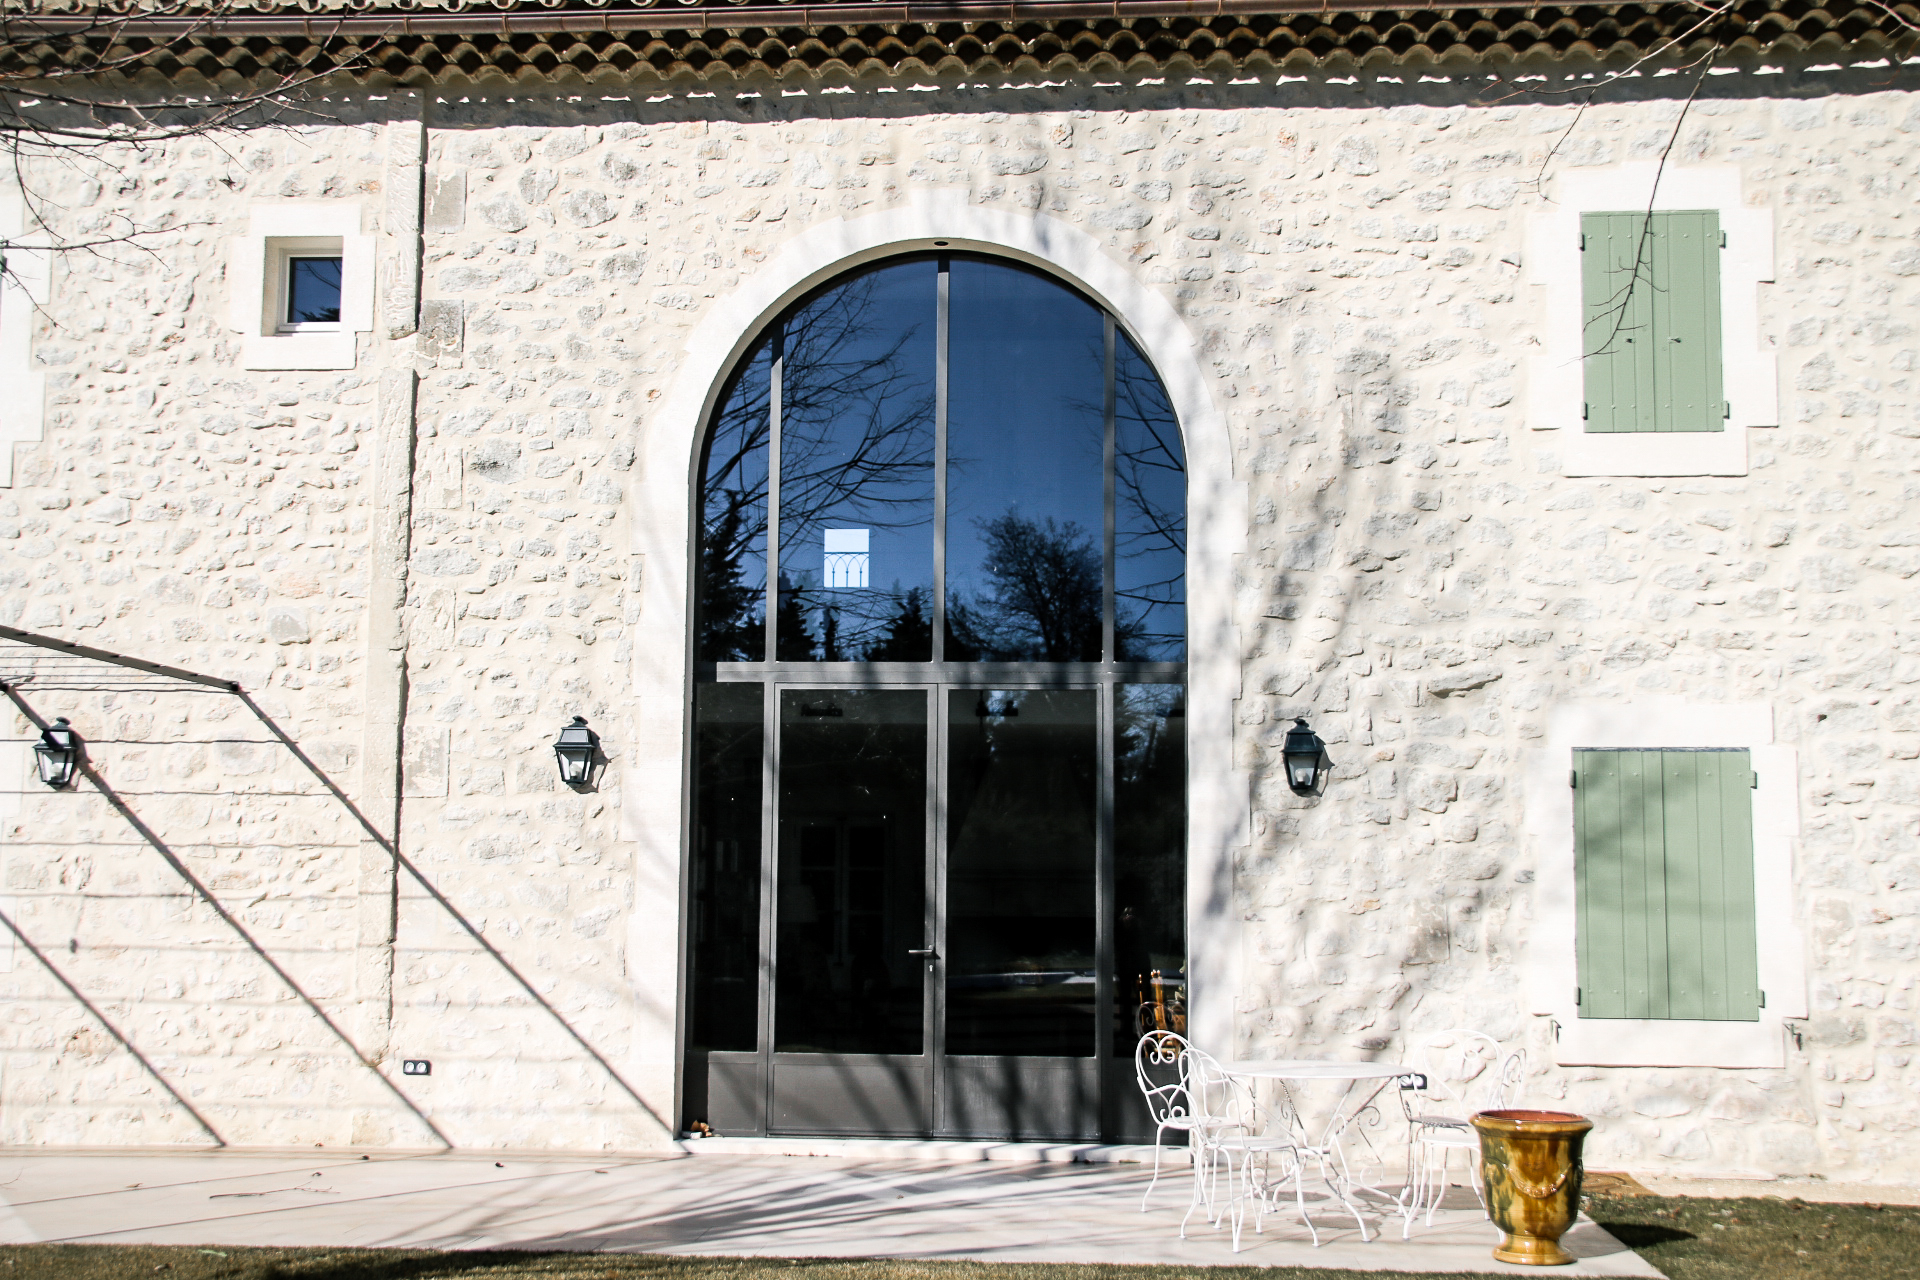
{"points": [[1360, 1083]]}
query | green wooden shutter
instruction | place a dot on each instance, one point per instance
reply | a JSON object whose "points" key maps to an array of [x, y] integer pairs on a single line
{"points": [[1663, 856], [1650, 289]]}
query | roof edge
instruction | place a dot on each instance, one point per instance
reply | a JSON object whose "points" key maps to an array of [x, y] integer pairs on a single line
{"points": [[704, 18]]}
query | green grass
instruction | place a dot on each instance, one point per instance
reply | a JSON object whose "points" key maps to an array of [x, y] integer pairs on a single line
{"points": [[1689, 1239], [1757, 1239]]}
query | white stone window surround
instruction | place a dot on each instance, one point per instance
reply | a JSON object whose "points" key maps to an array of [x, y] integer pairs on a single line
{"points": [[1552, 961], [1556, 392], [23, 289], [653, 805], [256, 278]]}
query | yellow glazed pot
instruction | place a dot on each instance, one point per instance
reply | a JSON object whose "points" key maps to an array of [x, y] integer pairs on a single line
{"points": [[1530, 1166]]}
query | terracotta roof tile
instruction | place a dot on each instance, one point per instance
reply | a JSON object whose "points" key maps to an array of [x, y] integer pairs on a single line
{"points": [[533, 42]]}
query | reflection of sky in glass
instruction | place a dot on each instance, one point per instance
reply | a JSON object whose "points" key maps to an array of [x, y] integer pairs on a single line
{"points": [[856, 453], [313, 291], [1026, 400], [1025, 408], [733, 520], [1150, 507]]}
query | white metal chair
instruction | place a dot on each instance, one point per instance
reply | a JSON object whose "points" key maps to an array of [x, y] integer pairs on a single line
{"points": [[1461, 1072], [1169, 1102], [1260, 1153]]}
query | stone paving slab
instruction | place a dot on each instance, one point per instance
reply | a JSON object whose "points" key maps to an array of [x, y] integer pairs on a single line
{"points": [[995, 1210]]}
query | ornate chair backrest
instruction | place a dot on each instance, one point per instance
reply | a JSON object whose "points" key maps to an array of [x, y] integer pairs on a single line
{"points": [[1465, 1072], [1513, 1077], [1220, 1101], [1161, 1054]]}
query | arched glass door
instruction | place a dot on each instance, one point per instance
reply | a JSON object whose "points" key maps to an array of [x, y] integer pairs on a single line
{"points": [[936, 882]]}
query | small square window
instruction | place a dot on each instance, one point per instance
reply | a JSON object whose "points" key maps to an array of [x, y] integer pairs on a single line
{"points": [[311, 292]]}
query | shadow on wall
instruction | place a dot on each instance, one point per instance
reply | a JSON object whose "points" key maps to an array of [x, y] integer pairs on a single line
{"points": [[1356, 530], [270, 1061]]}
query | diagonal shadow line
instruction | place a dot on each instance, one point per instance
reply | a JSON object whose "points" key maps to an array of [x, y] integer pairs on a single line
{"points": [[101, 1018], [392, 846], [185, 873]]}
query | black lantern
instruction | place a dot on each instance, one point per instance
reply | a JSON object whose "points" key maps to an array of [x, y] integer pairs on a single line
{"points": [[1306, 761], [57, 754], [576, 749]]}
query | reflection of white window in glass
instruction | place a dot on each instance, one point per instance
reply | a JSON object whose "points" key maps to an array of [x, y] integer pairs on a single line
{"points": [[846, 559]]}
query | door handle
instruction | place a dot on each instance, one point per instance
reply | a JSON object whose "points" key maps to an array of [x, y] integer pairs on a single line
{"points": [[921, 951]]}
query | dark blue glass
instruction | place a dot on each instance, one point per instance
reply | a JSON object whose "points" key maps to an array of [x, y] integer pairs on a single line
{"points": [[1149, 517], [1149, 862], [723, 897], [857, 470], [313, 291], [1026, 429], [732, 573], [1022, 795], [852, 873]]}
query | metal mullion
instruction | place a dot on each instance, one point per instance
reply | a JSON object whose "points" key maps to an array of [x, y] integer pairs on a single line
{"points": [[940, 369], [1103, 977], [933, 1036], [775, 379], [1109, 578], [937, 904], [769, 886]]}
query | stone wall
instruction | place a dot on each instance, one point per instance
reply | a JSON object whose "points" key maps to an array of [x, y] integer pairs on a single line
{"points": [[1421, 579]]}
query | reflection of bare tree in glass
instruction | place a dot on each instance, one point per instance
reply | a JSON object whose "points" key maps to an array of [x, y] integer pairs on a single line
{"points": [[733, 521], [1042, 602], [1150, 483], [856, 445], [856, 440]]}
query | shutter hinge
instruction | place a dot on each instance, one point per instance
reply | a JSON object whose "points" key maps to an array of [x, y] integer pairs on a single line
{"points": [[1763, 999], [1573, 779], [1586, 411], [1723, 239], [1726, 409], [1583, 242], [1756, 782], [1578, 994]]}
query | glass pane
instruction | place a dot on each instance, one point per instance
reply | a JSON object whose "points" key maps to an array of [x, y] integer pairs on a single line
{"points": [[313, 291], [1026, 430], [1149, 861], [724, 912], [853, 837], [1020, 872], [732, 583], [856, 471], [1150, 516]]}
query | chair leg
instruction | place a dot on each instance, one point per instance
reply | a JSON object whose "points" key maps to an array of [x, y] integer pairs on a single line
{"points": [[1156, 1168], [1300, 1197], [1202, 1188]]}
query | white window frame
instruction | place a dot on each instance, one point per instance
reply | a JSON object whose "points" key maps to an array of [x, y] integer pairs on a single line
{"points": [[284, 252], [1552, 965], [1556, 391], [257, 279]]}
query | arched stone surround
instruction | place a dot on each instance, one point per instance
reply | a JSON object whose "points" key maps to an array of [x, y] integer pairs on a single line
{"points": [[654, 770]]}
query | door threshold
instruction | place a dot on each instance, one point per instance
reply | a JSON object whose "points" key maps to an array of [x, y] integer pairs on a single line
{"points": [[946, 1150]]}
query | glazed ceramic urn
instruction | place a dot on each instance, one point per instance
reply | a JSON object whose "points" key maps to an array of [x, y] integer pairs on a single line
{"points": [[1530, 1167]]}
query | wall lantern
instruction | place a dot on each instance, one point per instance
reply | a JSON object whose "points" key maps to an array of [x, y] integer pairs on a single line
{"points": [[57, 754], [577, 748], [1306, 760]]}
